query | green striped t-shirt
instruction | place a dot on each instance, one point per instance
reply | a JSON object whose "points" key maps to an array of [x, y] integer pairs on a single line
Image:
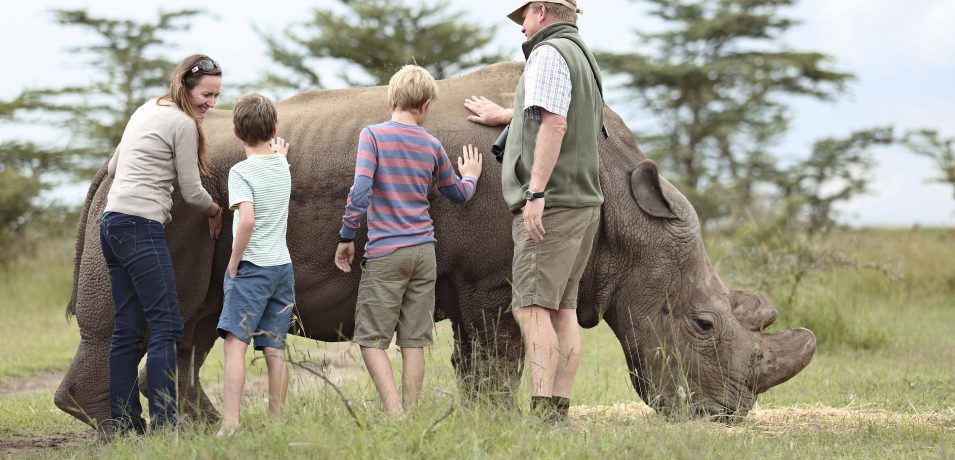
{"points": [[264, 181]]}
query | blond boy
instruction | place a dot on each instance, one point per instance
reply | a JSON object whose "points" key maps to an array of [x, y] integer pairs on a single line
{"points": [[396, 163]]}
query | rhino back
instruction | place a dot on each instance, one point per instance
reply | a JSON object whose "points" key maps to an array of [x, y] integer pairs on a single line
{"points": [[474, 247]]}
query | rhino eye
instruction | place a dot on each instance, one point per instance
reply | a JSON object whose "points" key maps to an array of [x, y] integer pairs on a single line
{"points": [[704, 324]]}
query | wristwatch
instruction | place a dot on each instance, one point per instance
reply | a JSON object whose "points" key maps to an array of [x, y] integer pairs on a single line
{"points": [[531, 196]]}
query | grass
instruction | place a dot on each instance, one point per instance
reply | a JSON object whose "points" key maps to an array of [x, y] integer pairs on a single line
{"points": [[33, 414], [886, 361], [856, 285], [318, 427], [35, 334]]}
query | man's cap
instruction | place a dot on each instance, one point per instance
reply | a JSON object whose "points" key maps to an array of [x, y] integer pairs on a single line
{"points": [[516, 15]]}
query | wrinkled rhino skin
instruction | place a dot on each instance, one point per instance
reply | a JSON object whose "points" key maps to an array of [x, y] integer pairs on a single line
{"points": [[689, 341]]}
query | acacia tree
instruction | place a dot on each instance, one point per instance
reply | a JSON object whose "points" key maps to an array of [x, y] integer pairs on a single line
{"points": [[23, 169], [716, 81], [379, 36], [837, 170], [928, 143], [129, 67]]}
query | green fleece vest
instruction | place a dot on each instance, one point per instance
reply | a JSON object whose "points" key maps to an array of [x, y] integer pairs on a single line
{"points": [[575, 182]]}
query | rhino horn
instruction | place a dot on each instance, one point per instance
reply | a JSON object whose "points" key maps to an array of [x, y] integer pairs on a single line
{"points": [[782, 356]]}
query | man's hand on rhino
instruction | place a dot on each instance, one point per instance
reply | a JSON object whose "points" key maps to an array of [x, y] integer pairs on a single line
{"points": [[279, 146], [470, 162], [533, 219], [487, 112], [344, 256]]}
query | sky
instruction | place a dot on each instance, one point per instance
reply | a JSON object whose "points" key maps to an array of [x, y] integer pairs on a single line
{"points": [[901, 52]]}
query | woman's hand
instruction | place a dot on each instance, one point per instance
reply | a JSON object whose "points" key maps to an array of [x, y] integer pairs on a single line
{"points": [[215, 223]]}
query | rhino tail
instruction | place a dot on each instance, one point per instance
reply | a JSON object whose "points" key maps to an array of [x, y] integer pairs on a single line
{"points": [[81, 237]]}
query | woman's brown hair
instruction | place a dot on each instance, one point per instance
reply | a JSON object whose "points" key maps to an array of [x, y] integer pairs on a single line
{"points": [[185, 79]]}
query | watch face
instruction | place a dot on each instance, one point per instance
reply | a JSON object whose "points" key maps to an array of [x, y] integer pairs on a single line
{"points": [[528, 195]]}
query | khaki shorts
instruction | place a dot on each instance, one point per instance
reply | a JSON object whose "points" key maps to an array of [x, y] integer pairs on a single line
{"points": [[397, 293], [547, 274]]}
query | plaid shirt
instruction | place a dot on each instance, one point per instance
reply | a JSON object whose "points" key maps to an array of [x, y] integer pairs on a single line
{"points": [[547, 83]]}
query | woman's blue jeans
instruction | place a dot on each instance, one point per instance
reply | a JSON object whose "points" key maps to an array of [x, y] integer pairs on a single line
{"points": [[144, 295]]}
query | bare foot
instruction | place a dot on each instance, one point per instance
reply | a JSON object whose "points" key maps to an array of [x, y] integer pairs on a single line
{"points": [[227, 431]]}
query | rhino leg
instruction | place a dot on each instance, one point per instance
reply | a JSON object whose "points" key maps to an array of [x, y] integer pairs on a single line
{"points": [[84, 392], [192, 397], [194, 404], [488, 355]]}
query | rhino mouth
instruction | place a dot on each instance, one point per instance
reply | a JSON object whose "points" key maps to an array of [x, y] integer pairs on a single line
{"points": [[707, 409], [717, 412]]}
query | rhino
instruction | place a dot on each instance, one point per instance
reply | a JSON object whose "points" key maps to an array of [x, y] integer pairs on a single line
{"points": [[691, 343]]}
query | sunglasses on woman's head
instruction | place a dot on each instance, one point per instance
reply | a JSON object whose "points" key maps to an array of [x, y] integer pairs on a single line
{"points": [[205, 65]]}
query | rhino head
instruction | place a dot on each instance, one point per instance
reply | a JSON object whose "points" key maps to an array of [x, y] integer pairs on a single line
{"points": [[693, 346]]}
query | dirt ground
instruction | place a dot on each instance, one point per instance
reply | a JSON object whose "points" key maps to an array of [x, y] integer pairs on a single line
{"points": [[339, 362], [17, 447], [42, 382]]}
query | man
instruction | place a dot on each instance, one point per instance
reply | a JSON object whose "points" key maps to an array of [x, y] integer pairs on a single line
{"points": [[550, 179]]}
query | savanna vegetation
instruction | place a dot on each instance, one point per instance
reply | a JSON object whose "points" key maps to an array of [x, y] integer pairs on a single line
{"points": [[882, 382]]}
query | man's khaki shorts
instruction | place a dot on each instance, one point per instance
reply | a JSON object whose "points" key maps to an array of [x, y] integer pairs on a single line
{"points": [[547, 274], [397, 293]]}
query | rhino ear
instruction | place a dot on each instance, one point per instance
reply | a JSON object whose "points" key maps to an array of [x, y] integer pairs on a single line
{"points": [[645, 187]]}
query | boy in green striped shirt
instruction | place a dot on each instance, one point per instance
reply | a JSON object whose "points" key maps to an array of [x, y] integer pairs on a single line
{"points": [[259, 286]]}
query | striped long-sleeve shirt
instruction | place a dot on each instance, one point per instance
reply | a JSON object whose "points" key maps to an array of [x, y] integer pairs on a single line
{"points": [[394, 169]]}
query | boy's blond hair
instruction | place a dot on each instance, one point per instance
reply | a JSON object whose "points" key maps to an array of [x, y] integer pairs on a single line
{"points": [[410, 88], [254, 118]]}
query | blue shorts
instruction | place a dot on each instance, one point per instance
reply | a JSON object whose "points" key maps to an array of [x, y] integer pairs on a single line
{"points": [[258, 304]]}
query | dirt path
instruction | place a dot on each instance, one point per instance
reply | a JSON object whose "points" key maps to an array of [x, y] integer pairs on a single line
{"points": [[18, 447], [43, 382], [339, 362]]}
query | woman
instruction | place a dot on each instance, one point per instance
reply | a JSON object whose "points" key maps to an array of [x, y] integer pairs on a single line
{"points": [[163, 141]]}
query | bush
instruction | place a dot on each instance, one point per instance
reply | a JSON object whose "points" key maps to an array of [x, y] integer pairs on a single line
{"points": [[813, 280]]}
